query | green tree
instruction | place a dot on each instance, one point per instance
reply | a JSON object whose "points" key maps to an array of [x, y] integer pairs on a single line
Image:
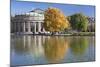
{"points": [[55, 20], [79, 22]]}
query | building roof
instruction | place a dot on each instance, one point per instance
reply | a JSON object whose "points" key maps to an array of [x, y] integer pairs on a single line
{"points": [[38, 10]]}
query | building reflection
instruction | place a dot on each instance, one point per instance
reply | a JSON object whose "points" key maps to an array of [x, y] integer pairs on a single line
{"points": [[28, 45]]}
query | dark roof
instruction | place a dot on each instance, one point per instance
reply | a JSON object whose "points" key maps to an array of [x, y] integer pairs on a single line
{"points": [[37, 9]]}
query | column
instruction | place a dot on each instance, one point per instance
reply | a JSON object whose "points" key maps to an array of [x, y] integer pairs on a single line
{"points": [[34, 27], [23, 26], [39, 26]]}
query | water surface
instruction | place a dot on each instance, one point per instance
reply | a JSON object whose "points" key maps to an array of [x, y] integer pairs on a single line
{"points": [[30, 50]]}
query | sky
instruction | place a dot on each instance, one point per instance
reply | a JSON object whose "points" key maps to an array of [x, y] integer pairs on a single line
{"points": [[21, 7]]}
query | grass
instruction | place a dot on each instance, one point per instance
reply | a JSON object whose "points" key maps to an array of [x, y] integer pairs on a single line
{"points": [[83, 34]]}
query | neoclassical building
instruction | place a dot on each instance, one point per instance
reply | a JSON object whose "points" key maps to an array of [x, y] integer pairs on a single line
{"points": [[28, 23]]}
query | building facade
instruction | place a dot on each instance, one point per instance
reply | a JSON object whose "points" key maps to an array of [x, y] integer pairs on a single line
{"points": [[91, 24], [28, 23]]}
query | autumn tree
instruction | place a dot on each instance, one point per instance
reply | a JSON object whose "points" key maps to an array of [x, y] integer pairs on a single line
{"points": [[79, 22], [55, 20]]}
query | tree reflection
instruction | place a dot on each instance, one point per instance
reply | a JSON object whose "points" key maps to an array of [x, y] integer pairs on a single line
{"points": [[55, 48], [79, 45]]}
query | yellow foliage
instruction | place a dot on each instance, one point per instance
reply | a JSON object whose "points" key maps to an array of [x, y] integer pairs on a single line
{"points": [[55, 20]]}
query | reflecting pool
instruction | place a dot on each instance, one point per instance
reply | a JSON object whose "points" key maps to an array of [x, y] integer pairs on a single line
{"points": [[30, 50]]}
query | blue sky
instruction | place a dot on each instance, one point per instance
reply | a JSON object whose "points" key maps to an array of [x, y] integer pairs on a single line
{"points": [[18, 7]]}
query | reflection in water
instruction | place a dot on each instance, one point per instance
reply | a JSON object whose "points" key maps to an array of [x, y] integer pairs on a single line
{"points": [[55, 48], [22, 44], [26, 50], [79, 45], [28, 45]]}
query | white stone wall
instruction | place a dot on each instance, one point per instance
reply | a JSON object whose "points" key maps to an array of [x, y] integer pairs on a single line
{"points": [[23, 24]]}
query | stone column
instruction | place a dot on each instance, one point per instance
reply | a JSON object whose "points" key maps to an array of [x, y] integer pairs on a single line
{"points": [[24, 27], [34, 27], [39, 26]]}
